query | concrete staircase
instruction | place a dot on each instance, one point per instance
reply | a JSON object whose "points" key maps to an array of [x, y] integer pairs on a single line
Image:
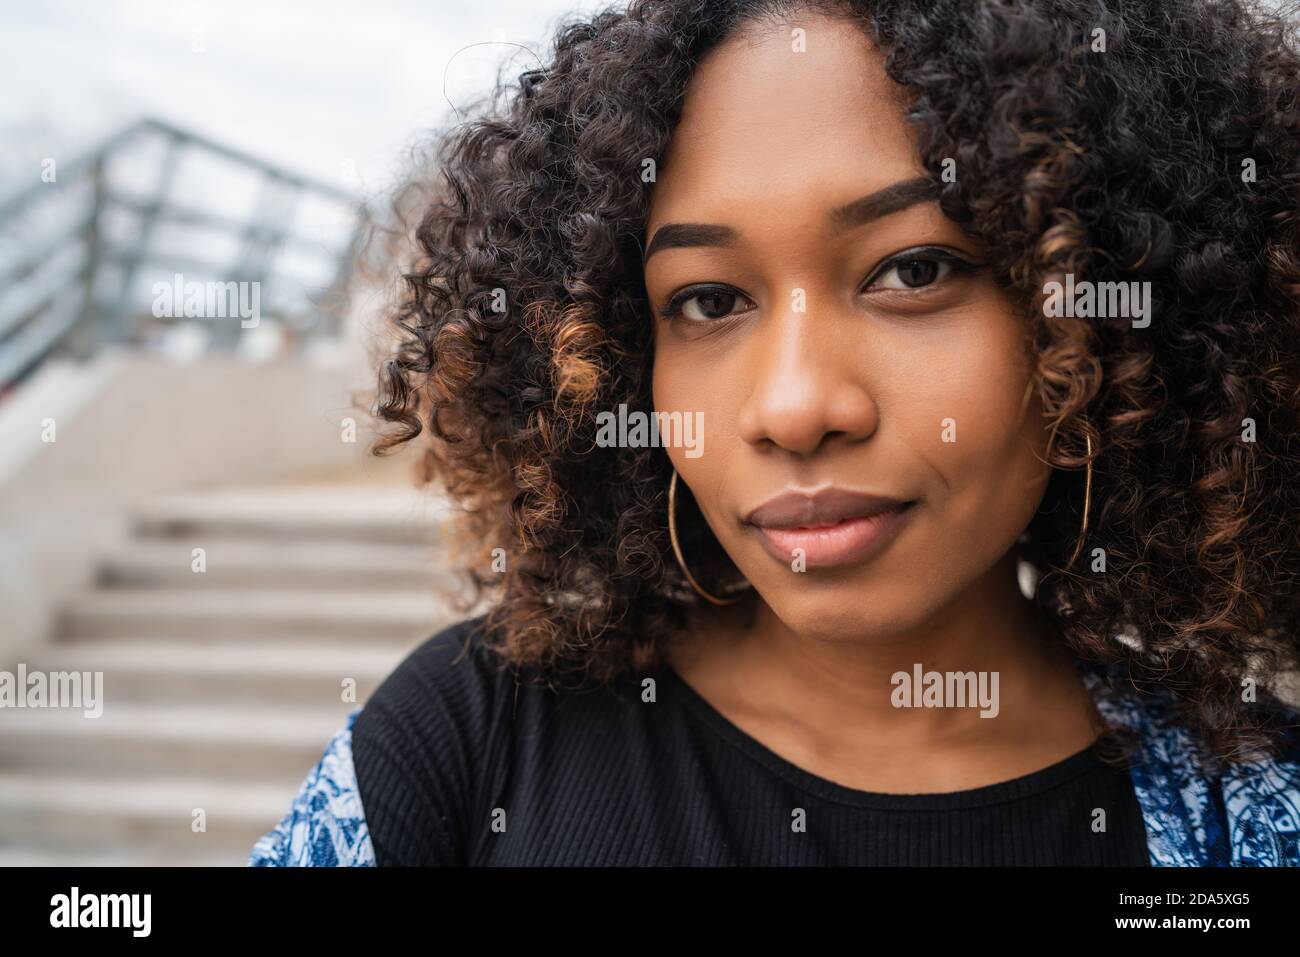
{"points": [[222, 687]]}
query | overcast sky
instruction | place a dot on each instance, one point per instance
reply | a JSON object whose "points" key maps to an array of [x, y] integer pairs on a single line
{"points": [[335, 88]]}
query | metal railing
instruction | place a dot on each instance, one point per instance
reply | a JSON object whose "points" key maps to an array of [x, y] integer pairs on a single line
{"points": [[78, 252]]}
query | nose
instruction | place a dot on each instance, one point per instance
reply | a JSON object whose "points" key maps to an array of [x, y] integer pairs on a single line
{"points": [[807, 386]]}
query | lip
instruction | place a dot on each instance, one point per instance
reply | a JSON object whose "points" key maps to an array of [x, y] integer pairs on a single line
{"points": [[832, 526]]}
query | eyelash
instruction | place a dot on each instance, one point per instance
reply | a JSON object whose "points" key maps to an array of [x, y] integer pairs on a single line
{"points": [[672, 308]]}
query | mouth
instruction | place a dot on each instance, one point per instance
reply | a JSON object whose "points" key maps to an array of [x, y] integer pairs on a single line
{"points": [[828, 528]]}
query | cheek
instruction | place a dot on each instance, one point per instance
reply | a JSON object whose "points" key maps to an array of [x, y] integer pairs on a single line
{"points": [[682, 382], [976, 428]]}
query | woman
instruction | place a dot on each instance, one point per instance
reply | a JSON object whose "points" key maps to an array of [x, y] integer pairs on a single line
{"points": [[961, 533]]}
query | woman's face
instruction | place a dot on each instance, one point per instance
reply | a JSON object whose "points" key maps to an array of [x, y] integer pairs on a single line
{"points": [[819, 357]]}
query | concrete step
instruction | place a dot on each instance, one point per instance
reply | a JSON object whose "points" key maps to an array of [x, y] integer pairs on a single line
{"points": [[30, 854], [272, 744], [222, 688], [281, 565], [291, 673], [336, 513], [203, 613], [62, 813]]}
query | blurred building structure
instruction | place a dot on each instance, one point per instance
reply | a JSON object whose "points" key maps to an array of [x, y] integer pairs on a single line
{"points": [[187, 503]]}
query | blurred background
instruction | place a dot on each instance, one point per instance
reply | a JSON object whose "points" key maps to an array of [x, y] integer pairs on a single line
{"points": [[187, 503]]}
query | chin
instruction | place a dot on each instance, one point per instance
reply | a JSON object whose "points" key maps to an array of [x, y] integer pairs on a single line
{"points": [[857, 613]]}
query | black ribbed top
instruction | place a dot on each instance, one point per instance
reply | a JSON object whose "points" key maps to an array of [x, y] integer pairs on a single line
{"points": [[457, 764]]}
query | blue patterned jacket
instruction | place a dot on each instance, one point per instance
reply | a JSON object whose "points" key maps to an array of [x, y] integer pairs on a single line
{"points": [[1247, 816]]}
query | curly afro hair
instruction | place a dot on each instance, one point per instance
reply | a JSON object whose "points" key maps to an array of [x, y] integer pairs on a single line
{"points": [[524, 313]]}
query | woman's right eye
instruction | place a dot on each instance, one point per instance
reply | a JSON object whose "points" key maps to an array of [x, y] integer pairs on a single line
{"points": [[703, 304]]}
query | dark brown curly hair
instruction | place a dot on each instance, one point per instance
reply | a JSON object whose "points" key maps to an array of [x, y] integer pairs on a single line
{"points": [[524, 313]]}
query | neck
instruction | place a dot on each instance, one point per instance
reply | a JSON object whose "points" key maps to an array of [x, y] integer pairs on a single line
{"points": [[848, 684]]}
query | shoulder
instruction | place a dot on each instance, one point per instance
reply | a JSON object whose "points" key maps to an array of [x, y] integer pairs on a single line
{"points": [[399, 764], [436, 707], [325, 825], [452, 672], [422, 745], [1262, 799], [1246, 813]]}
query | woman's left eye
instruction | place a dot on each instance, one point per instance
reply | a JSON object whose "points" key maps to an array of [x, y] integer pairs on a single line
{"points": [[912, 271]]}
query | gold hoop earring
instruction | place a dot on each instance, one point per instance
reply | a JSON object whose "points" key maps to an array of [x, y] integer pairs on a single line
{"points": [[1087, 504], [677, 548]]}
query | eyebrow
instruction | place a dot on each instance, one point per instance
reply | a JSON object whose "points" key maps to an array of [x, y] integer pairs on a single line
{"points": [[893, 198]]}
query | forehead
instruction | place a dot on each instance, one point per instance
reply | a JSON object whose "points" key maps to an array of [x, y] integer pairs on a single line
{"points": [[765, 121]]}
